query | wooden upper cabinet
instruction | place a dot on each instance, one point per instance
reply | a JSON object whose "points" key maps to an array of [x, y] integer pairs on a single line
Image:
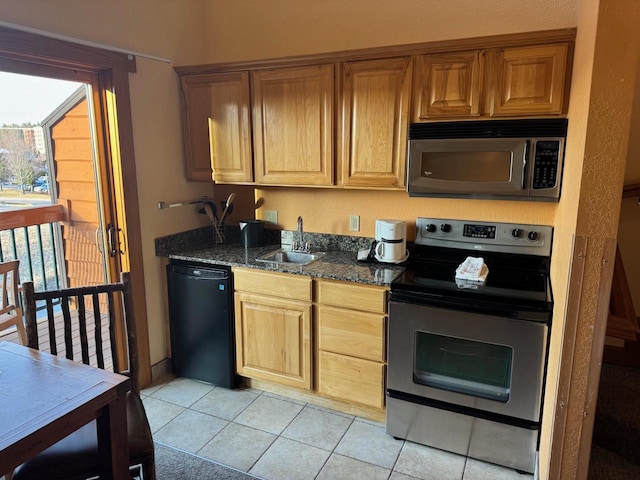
{"points": [[292, 122], [374, 120], [447, 85], [293, 125], [230, 129], [195, 102], [529, 80], [217, 136]]}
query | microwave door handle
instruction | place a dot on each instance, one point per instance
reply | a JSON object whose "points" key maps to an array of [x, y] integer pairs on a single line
{"points": [[525, 163]]}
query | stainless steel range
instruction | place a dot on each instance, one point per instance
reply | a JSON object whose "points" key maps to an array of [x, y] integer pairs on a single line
{"points": [[466, 357]]}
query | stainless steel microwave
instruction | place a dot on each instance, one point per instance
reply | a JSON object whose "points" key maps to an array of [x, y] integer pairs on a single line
{"points": [[494, 159]]}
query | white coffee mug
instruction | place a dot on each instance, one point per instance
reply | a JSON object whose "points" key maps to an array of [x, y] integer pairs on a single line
{"points": [[391, 251]]}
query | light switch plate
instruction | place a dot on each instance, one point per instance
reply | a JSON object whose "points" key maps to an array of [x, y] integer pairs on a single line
{"points": [[354, 223], [271, 216]]}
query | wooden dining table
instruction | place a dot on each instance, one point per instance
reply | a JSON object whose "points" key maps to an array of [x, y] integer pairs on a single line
{"points": [[44, 398]]}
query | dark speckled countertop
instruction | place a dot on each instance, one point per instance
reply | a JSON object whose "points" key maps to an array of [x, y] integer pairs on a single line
{"points": [[335, 265]]}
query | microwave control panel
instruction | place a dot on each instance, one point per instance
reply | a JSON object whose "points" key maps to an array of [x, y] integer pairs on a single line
{"points": [[545, 165]]}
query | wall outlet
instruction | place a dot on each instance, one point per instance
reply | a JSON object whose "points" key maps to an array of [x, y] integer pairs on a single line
{"points": [[354, 223], [271, 216]]}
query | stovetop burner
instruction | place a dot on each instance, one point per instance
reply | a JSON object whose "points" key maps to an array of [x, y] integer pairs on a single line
{"points": [[517, 257]]}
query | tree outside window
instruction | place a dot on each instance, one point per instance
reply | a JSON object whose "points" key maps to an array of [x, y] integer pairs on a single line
{"points": [[19, 159]]}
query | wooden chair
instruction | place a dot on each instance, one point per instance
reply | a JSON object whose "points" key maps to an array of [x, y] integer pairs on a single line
{"points": [[10, 311], [76, 457]]}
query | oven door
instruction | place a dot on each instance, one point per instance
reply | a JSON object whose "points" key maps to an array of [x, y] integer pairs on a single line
{"points": [[479, 361]]}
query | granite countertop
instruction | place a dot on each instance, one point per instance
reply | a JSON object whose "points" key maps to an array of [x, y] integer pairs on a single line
{"points": [[335, 265]]}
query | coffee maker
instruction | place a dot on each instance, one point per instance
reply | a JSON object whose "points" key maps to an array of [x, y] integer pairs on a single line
{"points": [[391, 241]]}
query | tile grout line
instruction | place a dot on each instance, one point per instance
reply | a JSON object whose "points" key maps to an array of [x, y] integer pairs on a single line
{"points": [[352, 419], [257, 394], [333, 450], [229, 422], [276, 436], [395, 462]]}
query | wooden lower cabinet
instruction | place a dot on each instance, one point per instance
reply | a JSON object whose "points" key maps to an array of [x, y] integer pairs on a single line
{"points": [[273, 339], [351, 325], [337, 355], [273, 327]]}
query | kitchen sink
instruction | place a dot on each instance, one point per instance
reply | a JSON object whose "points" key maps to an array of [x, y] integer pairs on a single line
{"points": [[284, 256]]}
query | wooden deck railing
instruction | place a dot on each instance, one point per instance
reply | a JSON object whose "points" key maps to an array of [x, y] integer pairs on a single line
{"points": [[32, 235]]}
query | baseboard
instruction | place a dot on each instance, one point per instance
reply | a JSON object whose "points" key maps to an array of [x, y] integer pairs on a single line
{"points": [[628, 356], [162, 368], [363, 411]]}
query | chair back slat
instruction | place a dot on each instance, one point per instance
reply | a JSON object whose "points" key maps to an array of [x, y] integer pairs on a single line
{"points": [[74, 297], [68, 328], [5, 292], [29, 315], [10, 282], [112, 333], [97, 321], [53, 345], [10, 308], [82, 326]]}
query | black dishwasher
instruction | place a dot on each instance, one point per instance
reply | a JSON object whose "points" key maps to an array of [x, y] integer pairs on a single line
{"points": [[201, 321]]}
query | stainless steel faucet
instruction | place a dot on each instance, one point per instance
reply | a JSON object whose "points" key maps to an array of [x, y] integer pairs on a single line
{"points": [[300, 232], [300, 245]]}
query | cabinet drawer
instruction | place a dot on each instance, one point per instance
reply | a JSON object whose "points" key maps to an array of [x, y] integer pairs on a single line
{"points": [[367, 298], [351, 379], [353, 333], [283, 285]]}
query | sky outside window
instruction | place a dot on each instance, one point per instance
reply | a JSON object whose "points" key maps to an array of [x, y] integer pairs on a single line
{"points": [[26, 99]]}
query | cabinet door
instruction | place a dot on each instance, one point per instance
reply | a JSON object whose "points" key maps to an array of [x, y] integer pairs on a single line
{"points": [[217, 137], [375, 113], [447, 85], [293, 125], [273, 339], [529, 81]]}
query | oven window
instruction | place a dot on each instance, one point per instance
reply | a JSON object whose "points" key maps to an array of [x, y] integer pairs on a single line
{"points": [[463, 366]]}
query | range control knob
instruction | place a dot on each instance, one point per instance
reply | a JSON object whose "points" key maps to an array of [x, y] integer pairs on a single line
{"points": [[533, 236], [430, 228], [516, 233], [445, 227]]}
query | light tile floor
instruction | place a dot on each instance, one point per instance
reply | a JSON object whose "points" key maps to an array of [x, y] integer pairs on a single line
{"points": [[277, 438]]}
